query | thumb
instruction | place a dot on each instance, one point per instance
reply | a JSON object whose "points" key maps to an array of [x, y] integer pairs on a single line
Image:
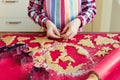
{"points": [[56, 31], [65, 29]]}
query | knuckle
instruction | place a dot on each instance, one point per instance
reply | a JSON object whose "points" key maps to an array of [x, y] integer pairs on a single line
{"points": [[67, 34], [74, 32]]}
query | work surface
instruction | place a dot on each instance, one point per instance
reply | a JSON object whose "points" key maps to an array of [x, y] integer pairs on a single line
{"points": [[63, 59]]}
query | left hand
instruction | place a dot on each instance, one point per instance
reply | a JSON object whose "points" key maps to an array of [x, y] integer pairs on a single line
{"points": [[71, 29]]}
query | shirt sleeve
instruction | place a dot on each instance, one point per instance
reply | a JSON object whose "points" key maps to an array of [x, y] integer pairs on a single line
{"points": [[36, 12], [88, 11]]}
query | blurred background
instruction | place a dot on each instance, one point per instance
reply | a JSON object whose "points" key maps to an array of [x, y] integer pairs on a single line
{"points": [[108, 17], [13, 17]]}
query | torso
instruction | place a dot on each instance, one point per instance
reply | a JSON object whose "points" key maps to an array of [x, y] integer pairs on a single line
{"points": [[62, 11]]}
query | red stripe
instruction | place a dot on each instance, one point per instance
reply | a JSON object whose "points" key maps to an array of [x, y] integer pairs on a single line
{"points": [[45, 5], [62, 14]]}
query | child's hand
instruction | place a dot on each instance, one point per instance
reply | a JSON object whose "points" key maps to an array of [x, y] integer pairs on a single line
{"points": [[71, 29], [52, 30]]}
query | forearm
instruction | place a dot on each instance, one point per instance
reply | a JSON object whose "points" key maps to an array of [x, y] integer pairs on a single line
{"points": [[36, 13], [88, 11]]}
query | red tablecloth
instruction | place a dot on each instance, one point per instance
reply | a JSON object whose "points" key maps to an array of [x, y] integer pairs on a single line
{"points": [[11, 70]]}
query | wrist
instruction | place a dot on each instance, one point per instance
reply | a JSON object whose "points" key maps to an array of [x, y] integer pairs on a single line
{"points": [[78, 21], [47, 23], [81, 21]]}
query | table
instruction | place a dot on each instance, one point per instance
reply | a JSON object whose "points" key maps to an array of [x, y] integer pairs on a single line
{"points": [[92, 38]]}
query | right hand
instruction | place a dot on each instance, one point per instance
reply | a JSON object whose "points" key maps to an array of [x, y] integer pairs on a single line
{"points": [[52, 30]]}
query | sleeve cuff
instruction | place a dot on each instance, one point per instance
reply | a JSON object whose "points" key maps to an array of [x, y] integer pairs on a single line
{"points": [[82, 21], [43, 22]]}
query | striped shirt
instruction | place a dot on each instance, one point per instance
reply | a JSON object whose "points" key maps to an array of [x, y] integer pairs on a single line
{"points": [[61, 12]]}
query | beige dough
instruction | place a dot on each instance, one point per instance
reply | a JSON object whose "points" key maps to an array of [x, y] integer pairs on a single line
{"points": [[41, 40], [64, 57], [104, 40], [87, 43], [34, 50], [8, 39], [111, 35], [116, 45], [87, 36], [103, 51], [21, 39]]}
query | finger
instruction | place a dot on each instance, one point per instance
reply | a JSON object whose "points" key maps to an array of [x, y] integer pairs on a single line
{"points": [[71, 36], [55, 36], [52, 35], [65, 29], [56, 31], [67, 34]]}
